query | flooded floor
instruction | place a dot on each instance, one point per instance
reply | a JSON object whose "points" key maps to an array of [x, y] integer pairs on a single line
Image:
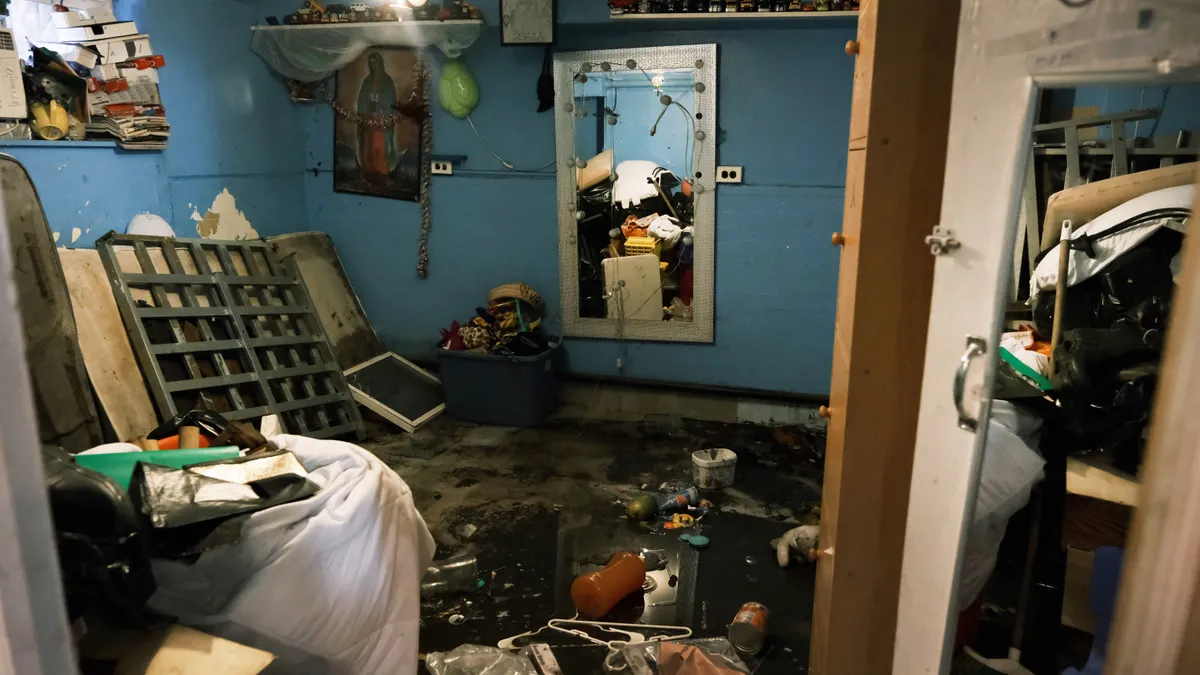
{"points": [[539, 506]]}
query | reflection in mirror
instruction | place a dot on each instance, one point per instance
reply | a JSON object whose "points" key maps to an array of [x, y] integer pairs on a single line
{"points": [[635, 141], [1107, 194]]}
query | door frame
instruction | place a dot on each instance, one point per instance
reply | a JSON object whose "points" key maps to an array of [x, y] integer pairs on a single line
{"points": [[1007, 51]]}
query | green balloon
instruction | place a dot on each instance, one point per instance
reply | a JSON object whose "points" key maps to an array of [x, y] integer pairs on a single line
{"points": [[457, 89]]}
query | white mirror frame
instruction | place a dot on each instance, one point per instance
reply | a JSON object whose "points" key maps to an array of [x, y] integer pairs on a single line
{"points": [[1007, 52], [700, 328]]}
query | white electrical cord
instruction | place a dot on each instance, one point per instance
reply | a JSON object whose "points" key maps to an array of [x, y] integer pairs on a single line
{"points": [[508, 165]]}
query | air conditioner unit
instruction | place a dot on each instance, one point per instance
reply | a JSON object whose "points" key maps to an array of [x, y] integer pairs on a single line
{"points": [[12, 89]]}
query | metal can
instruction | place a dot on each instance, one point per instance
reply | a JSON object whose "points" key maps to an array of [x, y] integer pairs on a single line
{"points": [[748, 631], [677, 501]]}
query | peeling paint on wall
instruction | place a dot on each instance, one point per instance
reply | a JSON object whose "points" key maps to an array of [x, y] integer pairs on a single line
{"points": [[223, 220], [75, 233]]}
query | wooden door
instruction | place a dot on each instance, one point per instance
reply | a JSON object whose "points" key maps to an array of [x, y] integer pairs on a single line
{"points": [[1006, 51], [898, 128]]}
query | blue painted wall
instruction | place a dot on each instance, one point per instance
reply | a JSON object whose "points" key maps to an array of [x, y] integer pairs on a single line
{"points": [[232, 128], [1178, 105], [784, 101]]}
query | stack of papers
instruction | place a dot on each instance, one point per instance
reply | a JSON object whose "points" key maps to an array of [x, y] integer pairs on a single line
{"points": [[123, 97]]}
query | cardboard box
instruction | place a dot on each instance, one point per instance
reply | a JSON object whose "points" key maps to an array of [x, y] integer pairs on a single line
{"points": [[83, 17], [106, 72], [88, 58], [121, 49], [174, 651], [135, 76], [97, 32]]}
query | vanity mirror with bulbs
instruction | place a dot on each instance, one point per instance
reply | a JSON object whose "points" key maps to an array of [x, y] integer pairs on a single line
{"points": [[636, 152]]}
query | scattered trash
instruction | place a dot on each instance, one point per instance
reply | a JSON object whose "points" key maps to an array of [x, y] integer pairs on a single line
{"points": [[655, 559], [466, 531], [456, 573], [598, 592], [696, 540], [703, 615], [680, 520], [677, 501], [649, 584], [751, 560], [502, 614], [705, 504], [477, 659], [710, 656], [714, 469], [802, 540], [457, 619], [748, 631]]}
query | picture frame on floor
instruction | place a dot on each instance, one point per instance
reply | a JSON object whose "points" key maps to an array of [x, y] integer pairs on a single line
{"points": [[378, 118]]}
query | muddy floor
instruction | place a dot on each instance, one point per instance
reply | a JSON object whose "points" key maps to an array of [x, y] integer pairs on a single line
{"points": [[539, 506]]}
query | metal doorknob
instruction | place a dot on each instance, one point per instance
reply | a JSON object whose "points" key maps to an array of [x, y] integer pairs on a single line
{"points": [[851, 47], [823, 412], [838, 239]]}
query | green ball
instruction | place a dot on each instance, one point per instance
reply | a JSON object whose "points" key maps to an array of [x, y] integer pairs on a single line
{"points": [[457, 90], [642, 508]]}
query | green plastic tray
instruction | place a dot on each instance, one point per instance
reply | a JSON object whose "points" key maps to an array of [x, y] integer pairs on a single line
{"points": [[119, 466]]}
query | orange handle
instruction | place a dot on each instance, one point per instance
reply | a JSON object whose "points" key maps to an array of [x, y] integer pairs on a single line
{"points": [[851, 47], [823, 412], [838, 239], [597, 593]]}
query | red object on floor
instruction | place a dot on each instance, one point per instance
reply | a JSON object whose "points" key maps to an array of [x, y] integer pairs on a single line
{"points": [[596, 593], [685, 284]]}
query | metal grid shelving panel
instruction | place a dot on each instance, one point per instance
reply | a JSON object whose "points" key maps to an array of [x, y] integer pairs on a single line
{"points": [[224, 325]]}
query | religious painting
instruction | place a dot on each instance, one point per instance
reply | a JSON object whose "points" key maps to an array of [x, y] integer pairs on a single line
{"points": [[378, 114]]}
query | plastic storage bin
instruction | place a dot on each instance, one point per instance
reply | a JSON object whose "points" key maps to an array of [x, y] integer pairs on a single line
{"points": [[516, 391]]}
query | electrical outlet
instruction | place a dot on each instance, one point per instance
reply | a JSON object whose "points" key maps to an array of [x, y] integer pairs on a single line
{"points": [[441, 168], [729, 174]]}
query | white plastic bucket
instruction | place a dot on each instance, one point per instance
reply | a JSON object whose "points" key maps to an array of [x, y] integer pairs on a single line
{"points": [[713, 469]]}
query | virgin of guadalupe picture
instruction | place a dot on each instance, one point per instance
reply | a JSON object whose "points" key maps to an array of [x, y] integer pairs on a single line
{"points": [[377, 148]]}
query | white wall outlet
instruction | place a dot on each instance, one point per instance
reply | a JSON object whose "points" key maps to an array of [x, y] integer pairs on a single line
{"points": [[729, 174], [441, 168]]}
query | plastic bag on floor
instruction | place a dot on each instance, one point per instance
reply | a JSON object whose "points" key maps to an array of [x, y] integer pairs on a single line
{"points": [[1010, 470], [478, 660], [710, 656], [330, 584]]}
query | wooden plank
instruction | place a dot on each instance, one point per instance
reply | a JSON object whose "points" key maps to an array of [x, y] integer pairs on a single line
{"points": [[176, 650], [1077, 592], [315, 260], [1157, 627], [904, 91], [1093, 477], [1083, 203], [1090, 523], [109, 359]]}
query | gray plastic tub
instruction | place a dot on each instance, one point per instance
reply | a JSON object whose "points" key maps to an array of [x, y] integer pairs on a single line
{"points": [[518, 391]]}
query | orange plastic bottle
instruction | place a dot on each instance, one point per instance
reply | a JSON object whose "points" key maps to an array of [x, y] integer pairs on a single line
{"points": [[597, 593]]}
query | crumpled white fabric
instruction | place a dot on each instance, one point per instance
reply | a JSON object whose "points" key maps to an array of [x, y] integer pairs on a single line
{"points": [[1081, 267], [667, 230], [330, 584], [633, 182], [1011, 467]]}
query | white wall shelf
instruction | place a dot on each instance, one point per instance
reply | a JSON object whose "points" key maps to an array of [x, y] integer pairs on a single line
{"points": [[727, 16], [312, 52]]}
